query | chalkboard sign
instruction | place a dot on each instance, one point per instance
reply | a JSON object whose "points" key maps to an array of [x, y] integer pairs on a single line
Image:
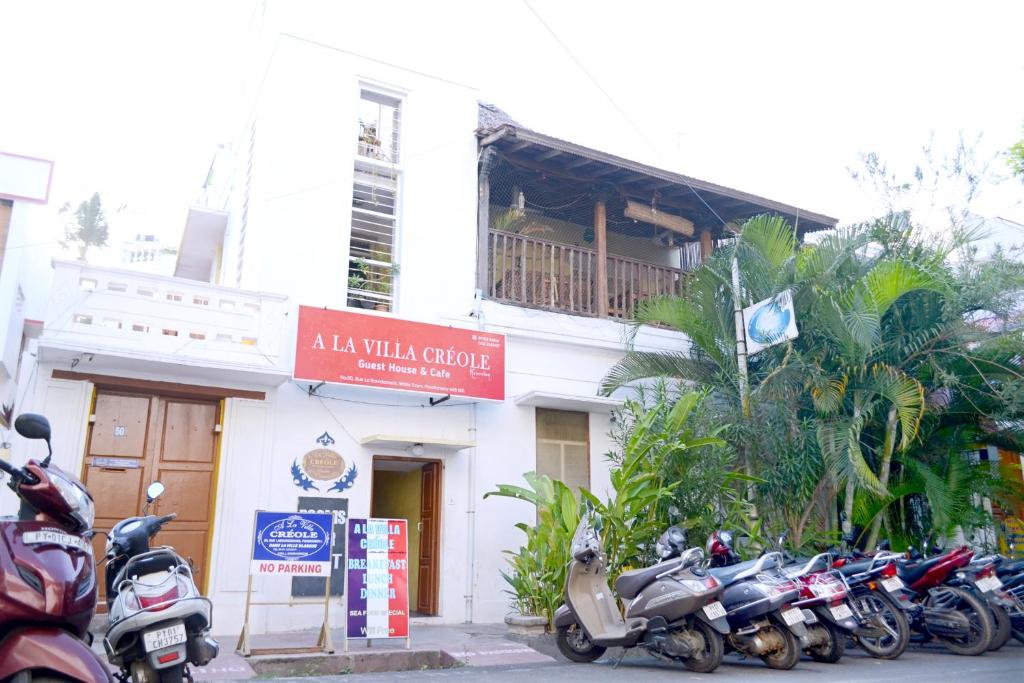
{"points": [[314, 587]]}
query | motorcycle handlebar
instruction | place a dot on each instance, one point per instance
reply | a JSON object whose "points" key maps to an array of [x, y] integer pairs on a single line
{"points": [[17, 474]]}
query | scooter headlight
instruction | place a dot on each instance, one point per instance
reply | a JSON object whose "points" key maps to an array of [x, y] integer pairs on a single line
{"points": [[78, 500]]}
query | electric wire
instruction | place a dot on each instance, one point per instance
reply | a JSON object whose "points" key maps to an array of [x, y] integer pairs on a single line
{"points": [[615, 104]]}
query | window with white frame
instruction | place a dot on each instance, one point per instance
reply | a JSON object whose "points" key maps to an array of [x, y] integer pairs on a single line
{"points": [[563, 446], [375, 187]]}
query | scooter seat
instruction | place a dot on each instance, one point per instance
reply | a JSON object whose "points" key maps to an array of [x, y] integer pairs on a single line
{"points": [[1009, 568], [851, 568], [148, 563], [911, 572], [629, 584], [727, 575]]}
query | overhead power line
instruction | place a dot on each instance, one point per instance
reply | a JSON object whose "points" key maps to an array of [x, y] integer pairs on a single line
{"points": [[611, 100]]}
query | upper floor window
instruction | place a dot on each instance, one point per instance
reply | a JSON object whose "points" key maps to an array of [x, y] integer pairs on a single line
{"points": [[375, 188], [379, 123]]}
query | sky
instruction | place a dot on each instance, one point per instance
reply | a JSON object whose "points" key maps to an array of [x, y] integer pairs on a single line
{"points": [[131, 99]]}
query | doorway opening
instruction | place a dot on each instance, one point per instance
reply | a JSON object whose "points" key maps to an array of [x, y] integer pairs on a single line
{"points": [[410, 488]]}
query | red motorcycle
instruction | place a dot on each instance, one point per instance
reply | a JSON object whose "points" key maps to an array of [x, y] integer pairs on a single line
{"points": [[47, 572], [956, 617]]}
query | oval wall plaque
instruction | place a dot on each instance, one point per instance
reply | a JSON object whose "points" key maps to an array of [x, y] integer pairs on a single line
{"points": [[323, 464]]}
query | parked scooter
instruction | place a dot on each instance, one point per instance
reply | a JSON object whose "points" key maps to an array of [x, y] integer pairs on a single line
{"points": [[758, 600], [823, 597], [47, 573], [159, 623], [673, 610]]}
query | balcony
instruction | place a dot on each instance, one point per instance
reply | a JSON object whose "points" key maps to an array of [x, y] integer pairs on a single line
{"points": [[565, 228], [539, 273], [108, 320]]}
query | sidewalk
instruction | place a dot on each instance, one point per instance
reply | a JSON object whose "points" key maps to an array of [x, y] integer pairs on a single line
{"points": [[435, 646]]}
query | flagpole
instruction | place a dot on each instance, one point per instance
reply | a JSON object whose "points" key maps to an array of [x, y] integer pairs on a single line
{"points": [[741, 340]]}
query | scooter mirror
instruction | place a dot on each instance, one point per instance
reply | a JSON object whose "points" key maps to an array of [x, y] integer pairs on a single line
{"points": [[32, 426], [154, 491]]}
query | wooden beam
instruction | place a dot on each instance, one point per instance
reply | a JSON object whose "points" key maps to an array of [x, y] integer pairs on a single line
{"points": [[154, 387], [517, 147], [548, 155], [706, 245], [640, 212], [580, 161], [495, 136], [601, 239]]}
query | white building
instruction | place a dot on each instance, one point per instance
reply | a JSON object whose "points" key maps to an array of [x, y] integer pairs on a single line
{"points": [[24, 276], [147, 253], [364, 186]]}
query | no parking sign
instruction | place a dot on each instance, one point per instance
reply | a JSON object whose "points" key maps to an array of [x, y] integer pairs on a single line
{"points": [[292, 544]]}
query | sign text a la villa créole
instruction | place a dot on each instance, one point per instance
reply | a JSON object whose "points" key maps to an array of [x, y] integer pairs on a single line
{"points": [[389, 353]]}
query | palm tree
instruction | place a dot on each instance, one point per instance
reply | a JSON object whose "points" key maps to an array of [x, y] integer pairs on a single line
{"points": [[841, 295]]}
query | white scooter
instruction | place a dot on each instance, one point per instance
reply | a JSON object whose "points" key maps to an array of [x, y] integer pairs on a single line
{"points": [[159, 623]]}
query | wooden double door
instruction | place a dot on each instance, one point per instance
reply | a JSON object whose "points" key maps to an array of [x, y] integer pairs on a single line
{"points": [[136, 439]]}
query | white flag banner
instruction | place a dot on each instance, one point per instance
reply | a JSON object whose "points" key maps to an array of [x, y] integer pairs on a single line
{"points": [[769, 322]]}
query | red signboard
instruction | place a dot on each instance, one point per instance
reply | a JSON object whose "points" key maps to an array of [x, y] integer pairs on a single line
{"points": [[388, 353]]}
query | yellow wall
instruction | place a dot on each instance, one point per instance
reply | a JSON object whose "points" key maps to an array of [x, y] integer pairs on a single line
{"points": [[397, 495]]}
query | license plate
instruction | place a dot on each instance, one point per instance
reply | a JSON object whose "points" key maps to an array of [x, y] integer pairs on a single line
{"points": [[841, 612], [792, 616], [54, 538], [715, 610], [893, 584], [158, 639], [989, 583]]}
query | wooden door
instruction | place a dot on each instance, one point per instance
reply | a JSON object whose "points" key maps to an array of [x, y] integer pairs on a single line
{"points": [[184, 455], [136, 439], [430, 511]]}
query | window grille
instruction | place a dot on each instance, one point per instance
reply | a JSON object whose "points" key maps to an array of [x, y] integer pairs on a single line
{"points": [[372, 267]]}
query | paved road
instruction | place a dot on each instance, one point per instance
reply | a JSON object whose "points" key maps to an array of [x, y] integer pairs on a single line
{"points": [[917, 664]]}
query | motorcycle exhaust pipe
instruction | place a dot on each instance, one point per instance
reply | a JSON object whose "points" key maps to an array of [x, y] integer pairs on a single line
{"points": [[202, 650], [758, 643]]}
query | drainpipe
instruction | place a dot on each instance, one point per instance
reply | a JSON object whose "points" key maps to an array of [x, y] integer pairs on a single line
{"points": [[471, 521]]}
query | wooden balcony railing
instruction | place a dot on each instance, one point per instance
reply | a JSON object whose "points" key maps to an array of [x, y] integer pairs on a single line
{"points": [[539, 273]]}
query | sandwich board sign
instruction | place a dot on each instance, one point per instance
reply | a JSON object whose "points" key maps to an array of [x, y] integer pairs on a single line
{"points": [[377, 576], [289, 544]]}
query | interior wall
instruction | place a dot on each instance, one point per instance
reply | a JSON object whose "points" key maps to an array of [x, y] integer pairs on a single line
{"points": [[397, 495]]}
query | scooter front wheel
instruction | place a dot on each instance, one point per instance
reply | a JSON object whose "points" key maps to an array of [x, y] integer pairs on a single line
{"points": [[574, 644]]}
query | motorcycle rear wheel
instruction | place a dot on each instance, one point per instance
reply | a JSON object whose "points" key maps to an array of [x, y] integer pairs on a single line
{"points": [[978, 613], [1001, 633], [714, 648], [29, 677], [788, 656], [832, 651], [890, 617], [575, 646]]}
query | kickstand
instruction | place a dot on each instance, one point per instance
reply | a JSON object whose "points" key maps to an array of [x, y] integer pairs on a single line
{"points": [[188, 675], [618, 661]]}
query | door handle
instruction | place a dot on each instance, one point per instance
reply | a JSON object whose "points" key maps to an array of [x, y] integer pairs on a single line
{"points": [[419, 526]]}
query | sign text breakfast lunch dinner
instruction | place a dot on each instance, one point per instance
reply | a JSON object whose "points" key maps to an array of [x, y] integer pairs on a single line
{"points": [[376, 351]]}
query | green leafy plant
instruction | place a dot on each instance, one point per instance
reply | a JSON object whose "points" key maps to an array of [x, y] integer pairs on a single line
{"points": [[631, 518]]}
